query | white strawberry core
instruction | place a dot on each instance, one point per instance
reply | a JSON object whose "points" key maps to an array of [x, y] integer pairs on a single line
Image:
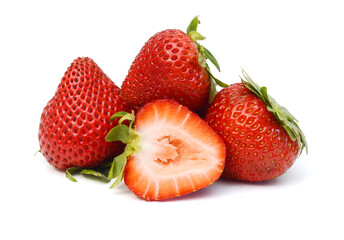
{"points": [[168, 152]]}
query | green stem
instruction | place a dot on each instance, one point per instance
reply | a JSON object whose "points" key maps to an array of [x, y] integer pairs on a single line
{"points": [[205, 54]]}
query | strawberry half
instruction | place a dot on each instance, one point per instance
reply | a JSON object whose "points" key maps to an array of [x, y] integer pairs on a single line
{"points": [[171, 152], [263, 139], [75, 121], [172, 65]]}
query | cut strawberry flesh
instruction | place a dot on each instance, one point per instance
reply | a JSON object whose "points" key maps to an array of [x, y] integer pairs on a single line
{"points": [[178, 152]]}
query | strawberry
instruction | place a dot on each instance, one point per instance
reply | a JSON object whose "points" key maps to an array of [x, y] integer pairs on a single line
{"points": [[76, 120], [172, 65], [170, 152], [263, 139]]}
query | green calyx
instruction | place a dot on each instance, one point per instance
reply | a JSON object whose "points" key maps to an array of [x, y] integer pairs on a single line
{"points": [[126, 135], [205, 54], [114, 169], [287, 120], [99, 172]]}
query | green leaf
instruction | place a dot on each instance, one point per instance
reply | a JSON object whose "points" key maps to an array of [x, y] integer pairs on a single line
{"points": [[106, 164], [264, 95], [118, 115], [286, 113], [254, 87], [196, 36], [117, 165], [95, 174], [130, 117], [287, 120], [270, 109], [193, 25], [290, 133], [213, 92], [217, 81], [248, 86], [210, 56], [117, 168], [304, 141], [205, 54], [70, 171], [118, 180], [39, 151], [202, 61], [118, 133]]}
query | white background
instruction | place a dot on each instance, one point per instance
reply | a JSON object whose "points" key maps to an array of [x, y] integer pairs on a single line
{"points": [[296, 48]]}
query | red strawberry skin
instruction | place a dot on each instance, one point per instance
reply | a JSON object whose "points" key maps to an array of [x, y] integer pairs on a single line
{"points": [[258, 147], [167, 67], [178, 152], [75, 121]]}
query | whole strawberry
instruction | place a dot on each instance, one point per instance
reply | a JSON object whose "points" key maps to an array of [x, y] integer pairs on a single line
{"points": [[172, 65], [76, 120], [263, 139]]}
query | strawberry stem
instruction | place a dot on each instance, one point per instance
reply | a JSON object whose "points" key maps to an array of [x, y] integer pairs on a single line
{"points": [[193, 25], [287, 120], [205, 54], [127, 136]]}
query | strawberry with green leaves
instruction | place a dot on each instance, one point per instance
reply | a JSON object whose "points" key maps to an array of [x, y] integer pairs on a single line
{"points": [[263, 139], [169, 152], [172, 65], [76, 120]]}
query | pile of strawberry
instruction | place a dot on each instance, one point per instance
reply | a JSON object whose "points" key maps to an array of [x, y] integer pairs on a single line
{"points": [[151, 132]]}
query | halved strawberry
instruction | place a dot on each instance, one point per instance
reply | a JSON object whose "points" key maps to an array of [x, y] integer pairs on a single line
{"points": [[172, 152]]}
